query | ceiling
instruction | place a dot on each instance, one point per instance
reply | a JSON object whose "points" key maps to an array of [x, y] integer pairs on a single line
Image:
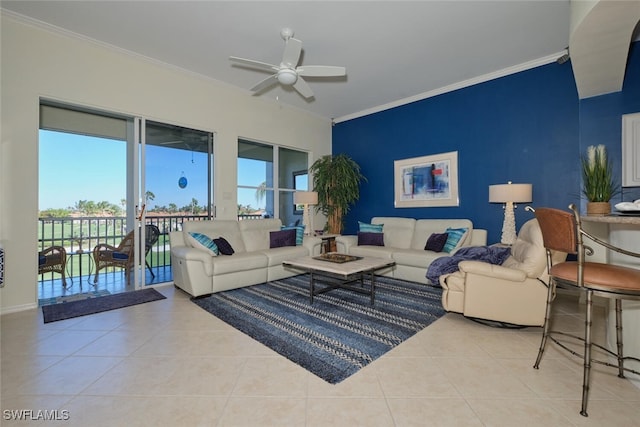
{"points": [[394, 51]]}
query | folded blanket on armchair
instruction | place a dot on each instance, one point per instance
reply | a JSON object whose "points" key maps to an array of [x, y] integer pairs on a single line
{"points": [[449, 264]]}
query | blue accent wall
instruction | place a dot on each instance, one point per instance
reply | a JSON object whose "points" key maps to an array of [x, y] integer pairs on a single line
{"points": [[528, 127]]}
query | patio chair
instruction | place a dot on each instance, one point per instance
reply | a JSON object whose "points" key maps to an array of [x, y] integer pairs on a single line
{"points": [[53, 260], [122, 256], [152, 234]]}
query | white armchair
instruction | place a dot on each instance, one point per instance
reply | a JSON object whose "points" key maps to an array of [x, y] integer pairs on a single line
{"points": [[513, 293]]}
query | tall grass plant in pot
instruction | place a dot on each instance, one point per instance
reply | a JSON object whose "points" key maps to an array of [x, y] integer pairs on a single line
{"points": [[336, 179], [599, 185]]}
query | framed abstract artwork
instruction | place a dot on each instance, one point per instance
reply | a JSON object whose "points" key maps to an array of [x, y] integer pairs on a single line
{"points": [[427, 181]]}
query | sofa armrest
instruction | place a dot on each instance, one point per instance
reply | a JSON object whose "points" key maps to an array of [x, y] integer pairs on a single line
{"points": [[491, 270], [344, 243], [313, 245], [191, 254]]}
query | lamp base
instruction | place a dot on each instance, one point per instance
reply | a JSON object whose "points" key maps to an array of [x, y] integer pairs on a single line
{"points": [[306, 221], [509, 225]]}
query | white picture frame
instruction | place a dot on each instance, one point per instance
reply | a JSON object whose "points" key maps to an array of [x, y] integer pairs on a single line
{"points": [[427, 181]]}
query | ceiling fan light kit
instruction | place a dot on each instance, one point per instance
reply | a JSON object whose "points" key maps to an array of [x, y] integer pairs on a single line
{"points": [[288, 73], [287, 76]]}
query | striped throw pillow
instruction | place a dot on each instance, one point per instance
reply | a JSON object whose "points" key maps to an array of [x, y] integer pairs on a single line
{"points": [[369, 228], [202, 241], [454, 239]]}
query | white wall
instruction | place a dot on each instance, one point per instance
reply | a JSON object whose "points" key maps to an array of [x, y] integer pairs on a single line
{"points": [[39, 63]]}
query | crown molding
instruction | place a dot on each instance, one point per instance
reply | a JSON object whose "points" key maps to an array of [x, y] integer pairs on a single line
{"points": [[455, 86]]}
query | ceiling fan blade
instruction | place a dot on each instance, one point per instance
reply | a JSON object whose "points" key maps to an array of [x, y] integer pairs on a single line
{"points": [[321, 71], [255, 64], [303, 88], [292, 50], [269, 81]]}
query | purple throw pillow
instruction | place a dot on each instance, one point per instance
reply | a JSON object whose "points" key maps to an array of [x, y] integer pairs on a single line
{"points": [[278, 239], [223, 246], [371, 239], [436, 242]]}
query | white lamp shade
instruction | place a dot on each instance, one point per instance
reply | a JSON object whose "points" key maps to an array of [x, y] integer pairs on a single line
{"points": [[516, 193], [305, 198]]}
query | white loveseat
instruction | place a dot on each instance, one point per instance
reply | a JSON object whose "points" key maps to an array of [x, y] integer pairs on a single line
{"points": [[404, 242], [197, 272]]}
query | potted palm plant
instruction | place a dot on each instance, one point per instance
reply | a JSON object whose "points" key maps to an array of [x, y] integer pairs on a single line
{"points": [[336, 179], [599, 186]]}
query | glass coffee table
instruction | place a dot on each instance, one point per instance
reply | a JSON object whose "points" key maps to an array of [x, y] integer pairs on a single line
{"points": [[340, 271]]}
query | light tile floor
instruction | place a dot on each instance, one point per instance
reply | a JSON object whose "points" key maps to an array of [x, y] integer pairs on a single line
{"points": [[169, 363]]}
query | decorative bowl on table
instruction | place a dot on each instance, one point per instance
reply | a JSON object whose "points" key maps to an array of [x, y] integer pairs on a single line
{"points": [[336, 257], [628, 207]]}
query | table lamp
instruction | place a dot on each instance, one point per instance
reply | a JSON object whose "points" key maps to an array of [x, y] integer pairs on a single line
{"points": [[306, 198], [509, 194]]}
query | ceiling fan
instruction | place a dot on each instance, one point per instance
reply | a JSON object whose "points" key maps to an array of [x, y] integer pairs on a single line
{"points": [[288, 73]]}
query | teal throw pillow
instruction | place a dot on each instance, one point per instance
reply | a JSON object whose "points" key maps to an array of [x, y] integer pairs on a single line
{"points": [[299, 232], [204, 242], [454, 238], [369, 228]]}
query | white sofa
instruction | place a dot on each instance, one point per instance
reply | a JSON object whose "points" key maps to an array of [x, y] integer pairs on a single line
{"points": [[404, 242], [197, 272]]}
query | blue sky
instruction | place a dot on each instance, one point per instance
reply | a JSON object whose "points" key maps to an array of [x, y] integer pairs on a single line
{"points": [[77, 167]]}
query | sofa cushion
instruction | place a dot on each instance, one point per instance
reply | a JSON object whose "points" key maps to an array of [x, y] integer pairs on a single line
{"points": [[373, 239], [278, 239], [255, 232], [203, 242], [277, 255], [436, 242], [241, 261], [398, 232], [374, 251], [455, 238], [413, 258], [224, 246], [229, 229], [299, 229], [369, 228]]}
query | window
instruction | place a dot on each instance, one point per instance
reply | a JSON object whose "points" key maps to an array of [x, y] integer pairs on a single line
{"points": [[268, 175], [300, 182]]}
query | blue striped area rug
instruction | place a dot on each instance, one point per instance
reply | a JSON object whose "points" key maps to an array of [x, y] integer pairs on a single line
{"points": [[336, 335]]}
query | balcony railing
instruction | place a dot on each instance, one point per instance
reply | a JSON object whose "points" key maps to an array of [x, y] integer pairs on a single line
{"points": [[79, 235]]}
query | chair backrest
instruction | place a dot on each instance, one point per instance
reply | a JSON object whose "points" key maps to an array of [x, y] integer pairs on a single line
{"points": [[127, 244], [559, 230], [528, 252], [151, 236]]}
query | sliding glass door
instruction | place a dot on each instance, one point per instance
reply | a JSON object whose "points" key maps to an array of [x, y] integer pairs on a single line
{"points": [[105, 178], [176, 184]]}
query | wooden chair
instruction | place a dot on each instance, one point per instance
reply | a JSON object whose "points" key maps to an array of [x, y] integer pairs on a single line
{"points": [[562, 231], [122, 256], [53, 260]]}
